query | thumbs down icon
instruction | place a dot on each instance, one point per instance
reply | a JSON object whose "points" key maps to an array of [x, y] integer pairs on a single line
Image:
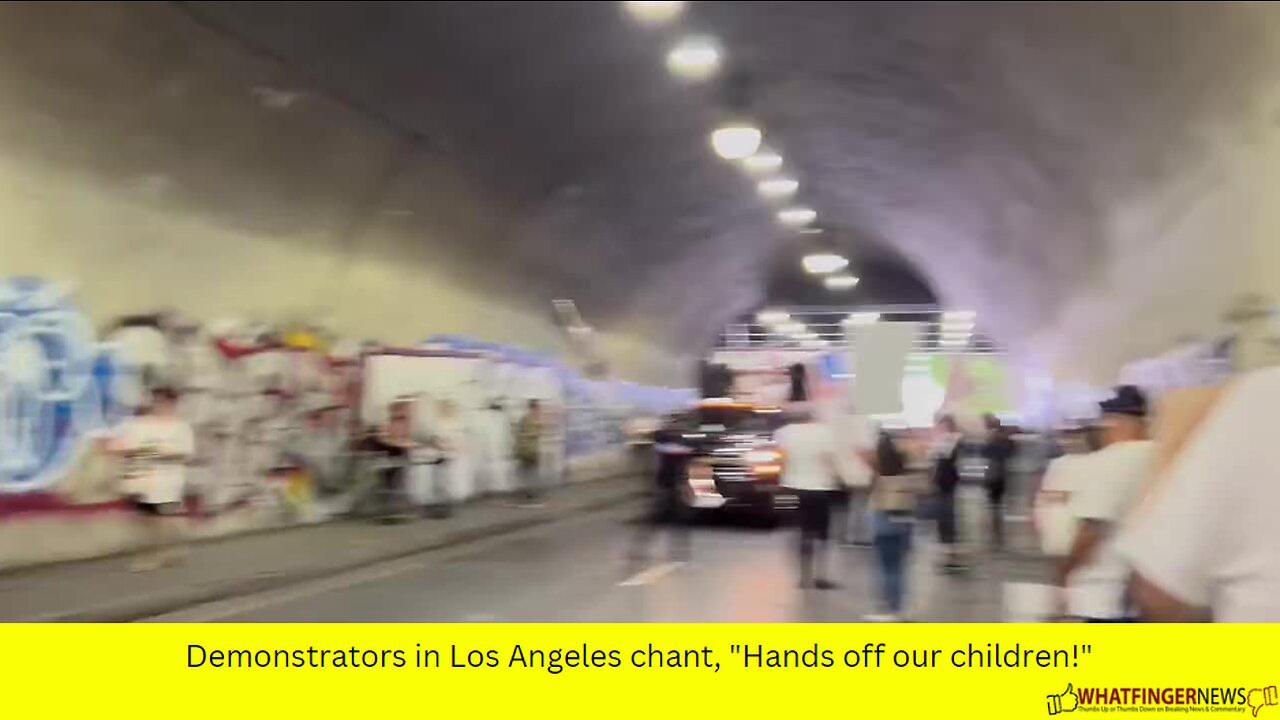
{"points": [[1262, 697]]}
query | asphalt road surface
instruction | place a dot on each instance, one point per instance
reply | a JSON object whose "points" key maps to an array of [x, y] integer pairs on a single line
{"points": [[580, 570]]}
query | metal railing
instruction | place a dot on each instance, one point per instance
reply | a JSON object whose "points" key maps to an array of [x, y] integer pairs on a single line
{"points": [[824, 328]]}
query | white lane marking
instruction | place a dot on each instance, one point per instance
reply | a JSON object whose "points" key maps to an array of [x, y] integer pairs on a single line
{"points": [[651, 575]]}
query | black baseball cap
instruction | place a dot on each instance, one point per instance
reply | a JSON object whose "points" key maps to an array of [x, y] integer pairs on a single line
{"points": [[1128, 400]]}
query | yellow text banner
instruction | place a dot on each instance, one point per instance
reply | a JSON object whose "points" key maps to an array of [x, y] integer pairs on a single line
{"points": [[909, 671]]}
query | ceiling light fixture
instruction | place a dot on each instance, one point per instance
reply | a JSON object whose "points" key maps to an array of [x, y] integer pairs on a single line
{"points": [[694, 58], [840, 282], [797, 216], [736, 141], [763, 162], [654, 13], [824, 263], [778, 188]]}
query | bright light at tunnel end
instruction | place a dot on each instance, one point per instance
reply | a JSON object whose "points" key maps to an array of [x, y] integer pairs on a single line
{"points": [[654, 12], [736, 141], [863, 318], [823, 263]]}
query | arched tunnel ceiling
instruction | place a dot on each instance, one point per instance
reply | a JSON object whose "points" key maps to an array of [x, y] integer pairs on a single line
{"points": [[990, 145]]}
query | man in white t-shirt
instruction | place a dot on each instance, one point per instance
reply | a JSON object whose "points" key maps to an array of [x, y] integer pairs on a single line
{"points": [[155, 447], [1205, 545], [811, 467], [1093, 572]]}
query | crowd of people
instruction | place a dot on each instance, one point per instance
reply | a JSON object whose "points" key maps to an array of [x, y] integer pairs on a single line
{"points": [[156, 446], [1175, 528]]}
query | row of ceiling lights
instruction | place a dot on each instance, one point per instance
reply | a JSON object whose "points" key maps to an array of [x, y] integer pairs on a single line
{"points": [[697, 58]]}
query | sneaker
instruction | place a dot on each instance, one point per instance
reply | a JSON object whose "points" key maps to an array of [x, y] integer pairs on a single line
{"points": [[881, 618], [825, 584]]}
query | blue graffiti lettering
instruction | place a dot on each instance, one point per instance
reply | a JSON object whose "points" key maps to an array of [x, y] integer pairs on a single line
{"points": [[56, 383]]}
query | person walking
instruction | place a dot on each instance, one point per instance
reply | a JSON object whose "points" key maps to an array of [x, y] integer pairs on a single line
{"points": [[1202, 543], [811, 468], [1094, 574], [893, 505], [673, 452], [156, 446], [528, 451], [944, 456], [396, 445], [998, 451]]}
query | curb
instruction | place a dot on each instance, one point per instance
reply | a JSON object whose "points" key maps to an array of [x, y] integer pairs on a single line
{"points": [[139, 609]]}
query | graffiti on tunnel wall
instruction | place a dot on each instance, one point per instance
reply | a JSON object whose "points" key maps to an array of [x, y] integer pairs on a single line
{"points": [[57, 384], [271, 406]]}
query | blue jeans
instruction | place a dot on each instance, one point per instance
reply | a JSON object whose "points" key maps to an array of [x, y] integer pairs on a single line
{"points": [[893, 546]]}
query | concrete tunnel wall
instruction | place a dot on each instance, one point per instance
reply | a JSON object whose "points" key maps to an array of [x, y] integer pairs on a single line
{"points": [[153, 163]]}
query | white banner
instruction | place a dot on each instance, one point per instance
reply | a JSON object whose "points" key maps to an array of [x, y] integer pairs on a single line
{"points": [[878, 358]]}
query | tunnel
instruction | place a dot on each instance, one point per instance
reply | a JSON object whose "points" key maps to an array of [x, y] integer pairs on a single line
{"points": [[1060, 174], [542, 182]]}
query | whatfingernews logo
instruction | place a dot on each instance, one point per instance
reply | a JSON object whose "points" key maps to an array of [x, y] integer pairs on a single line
{"points": [[1162, 699]]}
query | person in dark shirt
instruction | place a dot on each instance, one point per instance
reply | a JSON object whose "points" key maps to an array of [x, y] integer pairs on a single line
{"points": [[672, 462], [395, 442], [944, 455], [998, 451]]}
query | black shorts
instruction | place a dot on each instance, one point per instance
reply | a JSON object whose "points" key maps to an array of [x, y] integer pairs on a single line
{"points": [[151, 509], [815, 512]]}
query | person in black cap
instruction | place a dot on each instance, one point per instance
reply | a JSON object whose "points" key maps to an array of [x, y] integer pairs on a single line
{"points": [[1093, 573]]}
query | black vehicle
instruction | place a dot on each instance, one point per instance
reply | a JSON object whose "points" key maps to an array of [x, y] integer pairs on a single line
{"points": [[734, 464]]}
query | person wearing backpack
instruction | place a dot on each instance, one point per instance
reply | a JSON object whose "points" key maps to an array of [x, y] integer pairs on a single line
{"points": [[893, 503]]}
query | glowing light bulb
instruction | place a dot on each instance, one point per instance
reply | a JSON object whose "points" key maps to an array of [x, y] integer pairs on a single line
{"points": [[737, 141], [654, 13], [763, 162], [778, 188], [840, 282], [823, 263], [694, 58], [797, 216]]}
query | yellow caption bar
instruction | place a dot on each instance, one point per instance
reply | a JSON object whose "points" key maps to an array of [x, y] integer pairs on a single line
{"points": [[748, 671]]}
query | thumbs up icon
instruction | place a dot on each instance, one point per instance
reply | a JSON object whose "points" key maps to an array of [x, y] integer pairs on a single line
{"points": [[1066, 702], [1262, 697]]}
